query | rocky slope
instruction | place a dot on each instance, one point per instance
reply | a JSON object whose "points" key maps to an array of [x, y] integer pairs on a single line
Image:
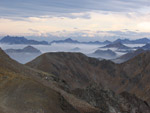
{"points": [[128, 56], [21, 90], [80, 71], [27, 90], [136, 75], [71, 67], [109, 102], [24, 95]]}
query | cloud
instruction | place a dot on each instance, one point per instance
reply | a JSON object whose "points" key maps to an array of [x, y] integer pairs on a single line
{"points": [[76, 18], [87, 35], [33, 30], [34, 8]]}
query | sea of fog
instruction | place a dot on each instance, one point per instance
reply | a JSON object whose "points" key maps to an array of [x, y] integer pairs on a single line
{"points": [[84, 48], [65, 47]]}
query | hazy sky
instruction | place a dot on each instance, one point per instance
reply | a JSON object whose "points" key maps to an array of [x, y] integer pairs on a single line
{"points": [[94, 19]]}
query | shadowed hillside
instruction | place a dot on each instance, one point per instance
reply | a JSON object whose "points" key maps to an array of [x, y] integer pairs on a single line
{"points": [[26, 90], [128, 56], [79, 71], [22, 93], [136, 71], [76, 69]]}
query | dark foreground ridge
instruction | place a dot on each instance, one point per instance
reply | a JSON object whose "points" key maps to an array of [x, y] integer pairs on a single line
{"points": [[80, 71], [27, 90]]}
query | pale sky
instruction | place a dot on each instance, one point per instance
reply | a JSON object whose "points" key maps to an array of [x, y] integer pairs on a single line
{"points": [[91, 19]]}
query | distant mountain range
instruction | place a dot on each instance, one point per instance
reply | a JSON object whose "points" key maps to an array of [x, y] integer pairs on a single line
{"points": [[28, 49], [123, 41], [132, 54], [104, 54], [137, 41], [76, 49], [69, 40], [23, 55], [23, 40], [117, 45], [97, 42], [128, 56]]}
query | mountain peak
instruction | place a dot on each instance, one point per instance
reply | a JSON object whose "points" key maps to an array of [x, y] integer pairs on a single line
{"points": [[31, 49], [11, 38], [118, 45], [144, 39], [108, 50], [122, 40], [68, 39], [20, 40], [104, 54]]}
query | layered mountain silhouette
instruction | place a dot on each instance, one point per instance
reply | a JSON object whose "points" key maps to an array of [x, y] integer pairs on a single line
{"points": [[24, 55], [27, 49], [97, 42], [137, 41], [20, 40], [73, 83], [117, 45], [146, 47], [105, 54], [23, 40], [132, 54], [68, 40], [76, 49], [123, 41], [128, 56]]}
